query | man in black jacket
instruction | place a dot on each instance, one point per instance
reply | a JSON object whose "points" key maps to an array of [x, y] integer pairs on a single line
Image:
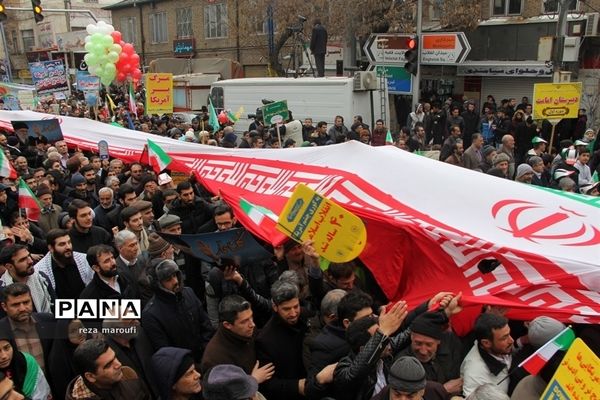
{"points": [[196, 215], [106, 284], [281, 342], [318, 46], [83, 233], [174, 316]]}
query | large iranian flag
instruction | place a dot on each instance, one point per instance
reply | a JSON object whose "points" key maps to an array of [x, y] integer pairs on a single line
{"points": [[29, 202], [429, 224]]}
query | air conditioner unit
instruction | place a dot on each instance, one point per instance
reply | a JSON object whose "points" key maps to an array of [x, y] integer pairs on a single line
{"points": [[591, 26], [365, 80]]}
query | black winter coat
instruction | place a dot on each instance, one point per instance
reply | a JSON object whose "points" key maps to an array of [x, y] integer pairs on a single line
{"points": [[177, 319]]}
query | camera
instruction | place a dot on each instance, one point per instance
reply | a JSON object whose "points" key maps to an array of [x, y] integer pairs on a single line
{"points": [[299, 27]]}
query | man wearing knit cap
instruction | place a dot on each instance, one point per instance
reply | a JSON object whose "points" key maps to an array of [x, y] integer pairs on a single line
{"points": [[229, 382], [500, 165], [176, 374], [439, 352], [539, 332], [488, 153], [407, 380], [174, 316], [159, 247], [524, 174]]}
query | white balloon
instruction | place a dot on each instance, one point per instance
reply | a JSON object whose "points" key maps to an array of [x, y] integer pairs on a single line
{"points": [[88, 39], [111, 29], [91, 29], [101, 24]]}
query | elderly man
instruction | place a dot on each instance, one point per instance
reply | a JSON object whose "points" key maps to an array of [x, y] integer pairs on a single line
{"points": [[131, 265], [107, 204]]}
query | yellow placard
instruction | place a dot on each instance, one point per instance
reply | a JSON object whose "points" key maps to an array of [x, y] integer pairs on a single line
{"points": [[556, 100], [578, 376], [159, 93], [338, 235]]}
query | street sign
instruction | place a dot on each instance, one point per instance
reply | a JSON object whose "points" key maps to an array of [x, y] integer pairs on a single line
{"points": [[275, 113], [556, 100], [444, 48], [399, 80], [386, 48]]}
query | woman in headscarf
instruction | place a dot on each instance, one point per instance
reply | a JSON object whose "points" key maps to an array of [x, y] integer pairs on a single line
{"points": [[23, 369]]}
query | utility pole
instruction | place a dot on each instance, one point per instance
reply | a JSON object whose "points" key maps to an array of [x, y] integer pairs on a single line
{"points": [[559, 42], [416, 90]]}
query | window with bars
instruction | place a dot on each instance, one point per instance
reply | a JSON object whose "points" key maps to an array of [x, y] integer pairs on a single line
{"points": [[506, 7], [436, 9], [551, 6], [129, 29], [158, 26], [215, 21], [28, 39], [184, 23]]}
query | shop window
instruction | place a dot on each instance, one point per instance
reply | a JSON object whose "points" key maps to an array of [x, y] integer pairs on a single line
{"points": [[506, 7], [158, 25], [215, 21]]}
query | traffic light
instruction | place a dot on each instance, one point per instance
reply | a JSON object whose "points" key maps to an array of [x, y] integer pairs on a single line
{"points": [[37, 10], [3, 16], [412, 55]]}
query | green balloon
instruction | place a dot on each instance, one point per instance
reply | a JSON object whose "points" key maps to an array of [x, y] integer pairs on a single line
{"points": [[91, 59], [116, 48], [89, 46], [112, 57], [110, 70], [107, 41], [97, 38]]}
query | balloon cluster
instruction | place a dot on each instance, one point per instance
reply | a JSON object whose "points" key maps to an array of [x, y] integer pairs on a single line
{"points": [[108, 56], [102, 52], [128, 64]]}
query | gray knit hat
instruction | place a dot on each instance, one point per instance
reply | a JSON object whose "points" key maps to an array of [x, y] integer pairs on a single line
{"points": [[542, 329], [407, 375], [500, 157]]}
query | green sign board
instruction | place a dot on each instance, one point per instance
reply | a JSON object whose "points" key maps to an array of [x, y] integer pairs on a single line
{"points": [[276, 112], [398, 79]]}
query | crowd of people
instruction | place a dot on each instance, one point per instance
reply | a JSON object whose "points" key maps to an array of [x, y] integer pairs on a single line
{"points": [[275, 328]]}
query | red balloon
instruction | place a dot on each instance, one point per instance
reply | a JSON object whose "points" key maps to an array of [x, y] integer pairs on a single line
{"points": [[136, 74], [128, 48], [122, 43], [121, 76], [126, 68], [135, 59], [116, 35]]}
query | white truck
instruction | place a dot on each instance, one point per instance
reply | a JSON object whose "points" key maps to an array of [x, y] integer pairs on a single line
{"points": [[190, 91], [318, 98]]}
